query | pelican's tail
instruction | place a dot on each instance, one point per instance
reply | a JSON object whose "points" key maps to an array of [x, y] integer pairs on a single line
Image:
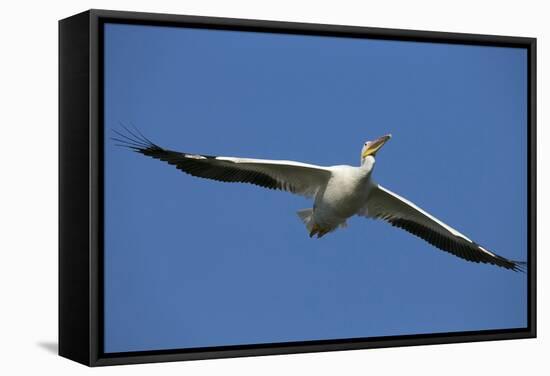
{"points": [[306, 215]]}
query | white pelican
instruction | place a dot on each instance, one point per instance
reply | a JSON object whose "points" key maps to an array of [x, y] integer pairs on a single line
{"points": [[339, 192]]}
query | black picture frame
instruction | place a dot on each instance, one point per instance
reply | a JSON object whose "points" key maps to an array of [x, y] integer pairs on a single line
{"points": [[81, 182]]}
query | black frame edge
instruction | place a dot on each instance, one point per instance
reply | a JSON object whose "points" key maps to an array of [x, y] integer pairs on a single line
{"points": [[308, 347], [88, 339], [532, 184], [312, 28], [74, 265]]}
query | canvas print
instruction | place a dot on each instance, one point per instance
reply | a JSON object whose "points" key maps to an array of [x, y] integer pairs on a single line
{"points": [[266, 188]]}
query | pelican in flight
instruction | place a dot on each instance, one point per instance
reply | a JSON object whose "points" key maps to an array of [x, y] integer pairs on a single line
{"points": [[339, 192]]}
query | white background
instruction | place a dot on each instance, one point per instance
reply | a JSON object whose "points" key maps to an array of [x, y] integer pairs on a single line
{"points": [[28, 185]]}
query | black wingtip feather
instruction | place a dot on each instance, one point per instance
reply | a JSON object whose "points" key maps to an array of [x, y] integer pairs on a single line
{"points": [[463, 251], [206, 167], [520, 266], [134, 140]]}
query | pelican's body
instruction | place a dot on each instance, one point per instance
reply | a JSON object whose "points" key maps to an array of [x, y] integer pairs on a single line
{"points": [[344, 196], [339, 192]]}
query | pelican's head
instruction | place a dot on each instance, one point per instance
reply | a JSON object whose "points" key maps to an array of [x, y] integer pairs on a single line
{"points": [[371, 147]]}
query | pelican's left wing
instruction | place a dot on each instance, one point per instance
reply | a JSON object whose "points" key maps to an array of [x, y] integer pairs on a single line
{"points": [[295, 177], [399, 212]]}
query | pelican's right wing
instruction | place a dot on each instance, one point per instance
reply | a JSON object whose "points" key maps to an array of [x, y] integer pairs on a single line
{"points": [[399, 212], [295, 177]]}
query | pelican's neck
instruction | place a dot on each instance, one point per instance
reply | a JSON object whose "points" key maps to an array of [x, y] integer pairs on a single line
{"points": [[368, 162]]}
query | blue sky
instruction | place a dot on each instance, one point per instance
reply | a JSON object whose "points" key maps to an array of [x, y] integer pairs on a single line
{"points": [[192, 262]]}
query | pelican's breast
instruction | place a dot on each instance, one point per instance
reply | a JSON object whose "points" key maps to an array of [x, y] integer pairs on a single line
{"points": [[345, 193]]}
